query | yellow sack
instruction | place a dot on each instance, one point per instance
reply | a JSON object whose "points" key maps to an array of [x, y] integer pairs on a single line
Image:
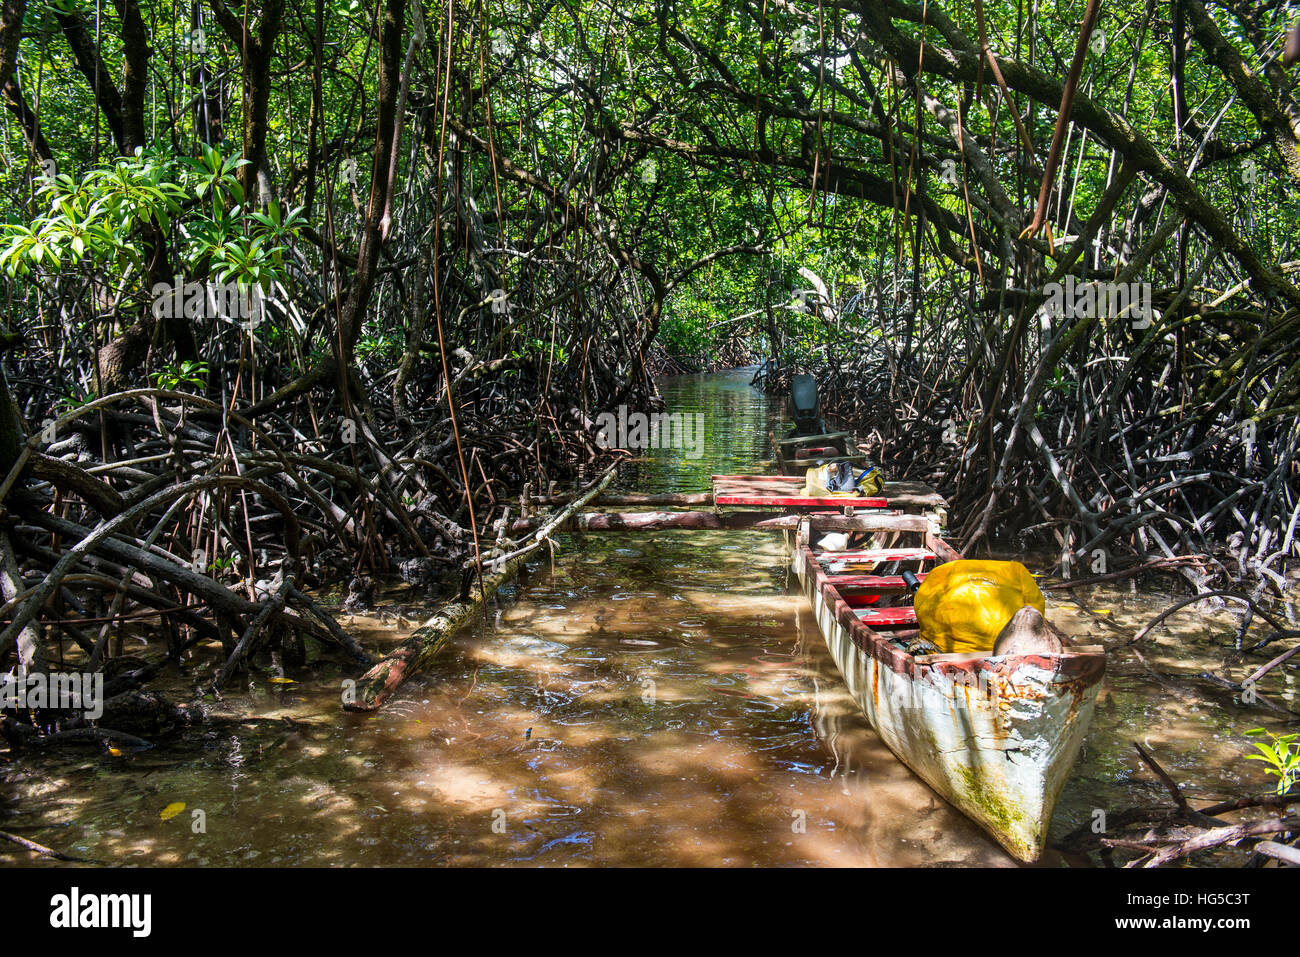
{"points": [[962, 606]]}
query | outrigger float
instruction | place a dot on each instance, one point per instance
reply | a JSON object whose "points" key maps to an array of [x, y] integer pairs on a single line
{"points": [[996, 736]]}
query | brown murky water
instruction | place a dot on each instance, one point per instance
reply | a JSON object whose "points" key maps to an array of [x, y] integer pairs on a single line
{"points": [[646, 700]]}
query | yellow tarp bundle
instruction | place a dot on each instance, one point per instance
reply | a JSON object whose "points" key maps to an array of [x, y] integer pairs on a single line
{"points": [[962, 606], [816, 478]]}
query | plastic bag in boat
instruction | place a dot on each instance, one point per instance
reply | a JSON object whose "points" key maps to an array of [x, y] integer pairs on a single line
{"points": [[962, 606], [839, 478]]}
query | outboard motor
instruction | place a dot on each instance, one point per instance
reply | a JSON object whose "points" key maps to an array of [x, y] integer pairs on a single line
{"points": [[808, 422], [807, 407]]}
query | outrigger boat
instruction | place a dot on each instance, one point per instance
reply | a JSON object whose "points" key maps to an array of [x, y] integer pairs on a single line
{"points": [[995, 736]]}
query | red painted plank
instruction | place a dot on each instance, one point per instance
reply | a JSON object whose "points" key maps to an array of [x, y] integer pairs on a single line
{"points": [[887, 617], [799, 501], [878, 555], [876, 582]]}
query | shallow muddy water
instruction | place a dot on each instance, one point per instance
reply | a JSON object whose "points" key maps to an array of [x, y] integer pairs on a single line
{"points": [[647, 699]]}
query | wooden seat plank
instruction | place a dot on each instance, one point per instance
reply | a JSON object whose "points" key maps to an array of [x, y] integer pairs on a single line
{"points": [[800, 501], [878, 555], [809, 439], [900, 617], [786, 491], [871, 582]]}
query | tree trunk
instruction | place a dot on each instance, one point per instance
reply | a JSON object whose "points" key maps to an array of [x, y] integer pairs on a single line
{"points": [[363, 282]]}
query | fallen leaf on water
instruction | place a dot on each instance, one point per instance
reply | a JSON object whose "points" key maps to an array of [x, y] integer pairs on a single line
{"points": [[281, 681], [171, 810]]}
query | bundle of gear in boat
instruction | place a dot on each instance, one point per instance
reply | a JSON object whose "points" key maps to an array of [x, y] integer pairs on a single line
{"points": [[965, 606]]}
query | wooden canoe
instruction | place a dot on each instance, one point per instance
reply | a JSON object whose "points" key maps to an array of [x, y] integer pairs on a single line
{"points": [[995, 736], [795, 454]]}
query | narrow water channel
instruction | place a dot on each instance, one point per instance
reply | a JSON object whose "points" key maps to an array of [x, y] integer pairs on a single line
{"points": [[644, 699]]}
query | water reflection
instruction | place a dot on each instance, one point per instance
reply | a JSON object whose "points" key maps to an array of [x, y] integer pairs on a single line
{"points": [[737, 419]]}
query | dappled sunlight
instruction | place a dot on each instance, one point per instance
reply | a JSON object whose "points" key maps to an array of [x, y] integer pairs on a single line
{"points": [[677, 725], [642, 700]]}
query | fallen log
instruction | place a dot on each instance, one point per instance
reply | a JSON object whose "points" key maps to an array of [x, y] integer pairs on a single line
{"points": [[46, 851], [418, 651], [1280, 852], [708, 521], [1216, 838]]}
